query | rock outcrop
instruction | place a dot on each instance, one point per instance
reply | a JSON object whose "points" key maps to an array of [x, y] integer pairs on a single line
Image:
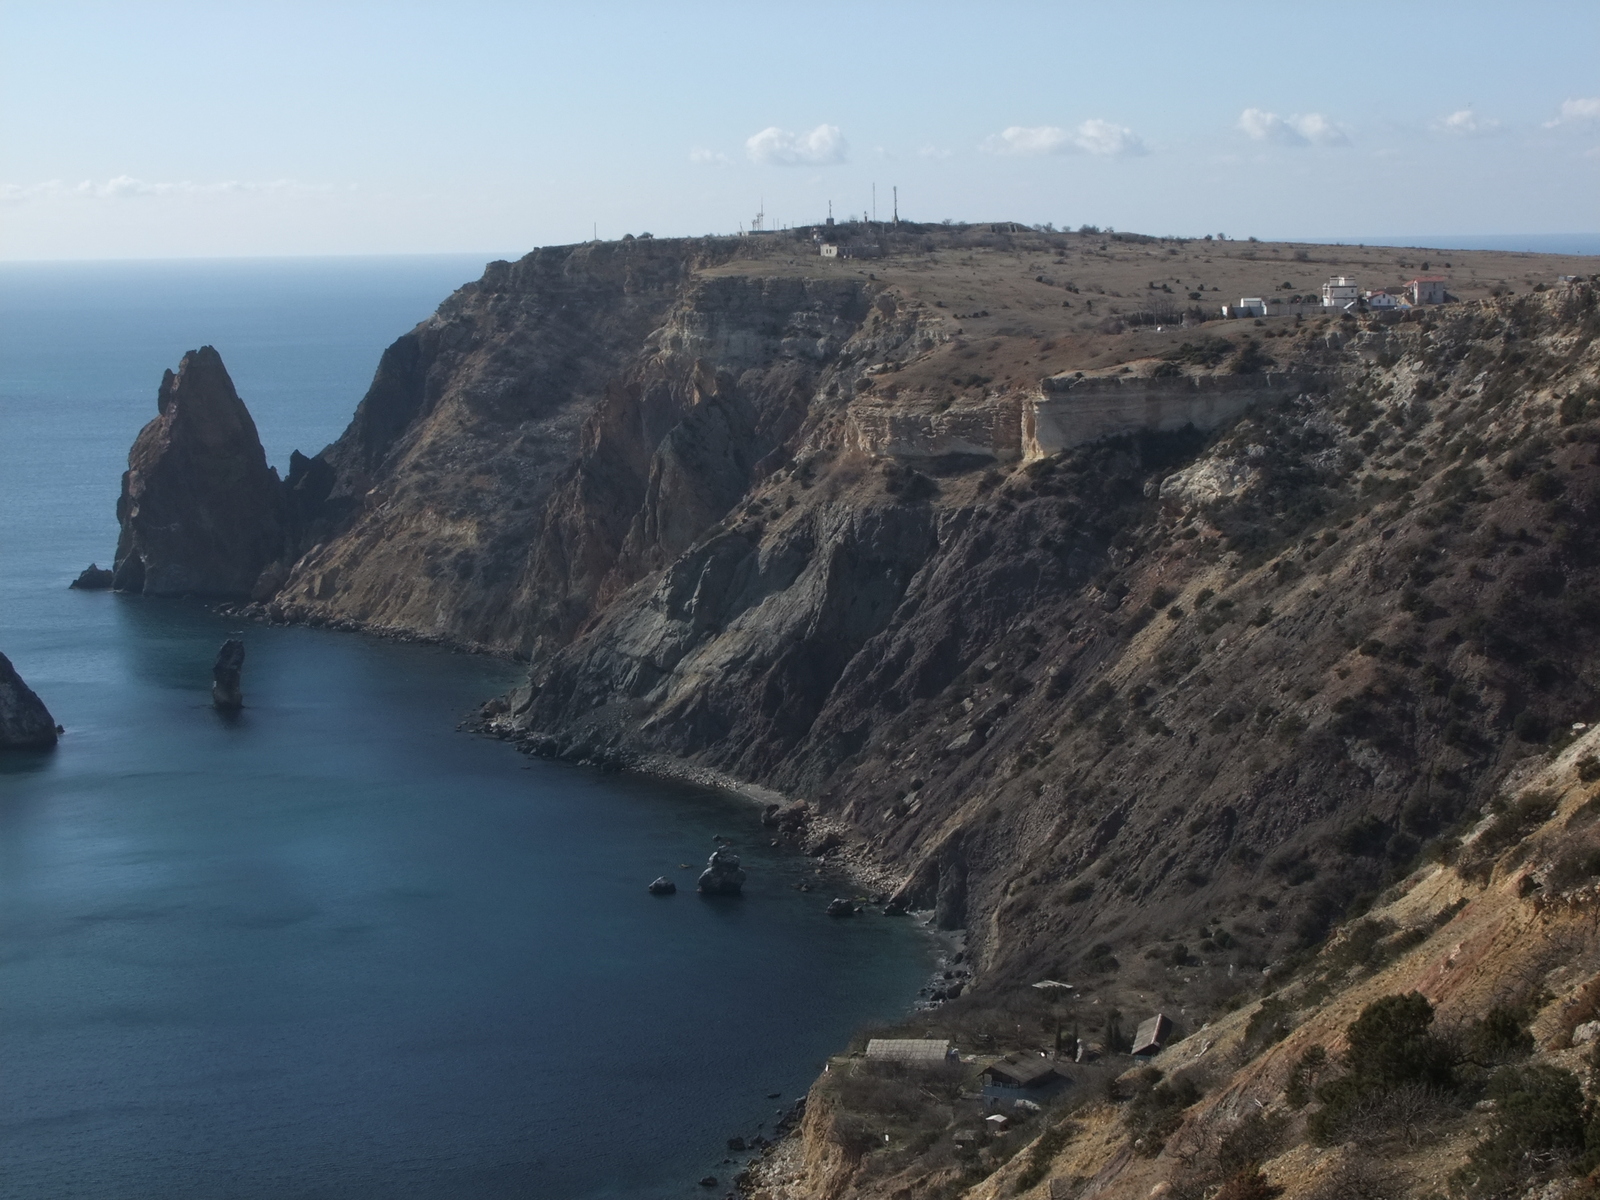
{"points": [[94, 578], [25, 723], [226, 694], [723, 875], [662, 886], [201, 511]]}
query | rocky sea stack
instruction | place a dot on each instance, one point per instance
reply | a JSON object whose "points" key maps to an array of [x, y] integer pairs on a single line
{"points": [[225, 672], [25, 723], [201, 511], [723, 875]]}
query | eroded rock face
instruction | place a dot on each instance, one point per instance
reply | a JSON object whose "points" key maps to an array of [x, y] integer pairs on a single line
{"points": [[201, 511], [25, 723]]}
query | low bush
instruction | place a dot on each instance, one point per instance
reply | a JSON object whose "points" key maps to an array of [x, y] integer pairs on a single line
{"points": [[1398, 1073], [1537, 1128]]}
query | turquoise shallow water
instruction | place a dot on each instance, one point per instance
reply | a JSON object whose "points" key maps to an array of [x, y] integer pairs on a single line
{"points": [[335, 948]]}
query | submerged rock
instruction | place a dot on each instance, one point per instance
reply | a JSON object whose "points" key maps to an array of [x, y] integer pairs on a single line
{"points": [[662, 886], [225, 693], [723, 875], [93, 578], [25, 723], [201, 511]]}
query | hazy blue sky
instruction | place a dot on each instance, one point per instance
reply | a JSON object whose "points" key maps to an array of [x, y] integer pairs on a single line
{"points": [[149, 129]]}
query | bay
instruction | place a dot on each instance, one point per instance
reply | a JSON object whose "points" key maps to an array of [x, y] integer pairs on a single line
{"points": [[335, 947]]}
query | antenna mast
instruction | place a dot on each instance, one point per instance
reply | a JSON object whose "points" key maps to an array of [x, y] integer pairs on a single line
{"points": [[897, 205]]}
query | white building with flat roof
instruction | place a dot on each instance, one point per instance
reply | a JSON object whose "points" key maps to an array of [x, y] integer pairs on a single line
{"points": [[1340, 292]]}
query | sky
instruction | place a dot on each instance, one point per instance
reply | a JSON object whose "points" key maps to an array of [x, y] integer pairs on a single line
{"points": [[153, 130]]}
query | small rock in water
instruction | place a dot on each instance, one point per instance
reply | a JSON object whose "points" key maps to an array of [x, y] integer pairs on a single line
{"points": [[709, 1181], [225, 693], [736, 1143], [94, 578], [774, 1095], [663, 887], [723, 876], [840, 907]]}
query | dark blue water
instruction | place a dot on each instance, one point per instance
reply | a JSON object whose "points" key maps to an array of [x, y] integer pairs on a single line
{"points": [[336, 948]]}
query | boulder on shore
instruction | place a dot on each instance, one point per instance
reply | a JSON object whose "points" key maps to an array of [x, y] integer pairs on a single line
{"points": [[25, 723], [201, 511], [93, 578], [662, 886], [225, 672], [723, 875]]}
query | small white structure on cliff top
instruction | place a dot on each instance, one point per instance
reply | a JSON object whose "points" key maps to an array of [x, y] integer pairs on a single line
{"points": [[828, 250], [912, 1052], [1340, 292]]}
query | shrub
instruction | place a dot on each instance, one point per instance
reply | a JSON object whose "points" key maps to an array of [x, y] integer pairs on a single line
{"points": [[1043, 1152], [1537, 1127], [1393, 1061], [1248, 1184], [1157, 1108], [1499, 1036], [1252, 1141]]}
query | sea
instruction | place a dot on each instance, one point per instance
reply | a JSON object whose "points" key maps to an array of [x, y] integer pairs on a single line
{"points": [[337, 947]]}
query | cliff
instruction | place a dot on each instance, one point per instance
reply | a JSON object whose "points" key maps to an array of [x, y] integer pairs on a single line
{"points": [[1144, 653], [200, 510], [25, 723]]}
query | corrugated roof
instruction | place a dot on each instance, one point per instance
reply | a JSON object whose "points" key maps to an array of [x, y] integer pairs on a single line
{"points": [[909, 1050]]}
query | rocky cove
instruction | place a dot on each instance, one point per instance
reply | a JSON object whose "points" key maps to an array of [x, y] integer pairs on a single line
{"points": [[1148, 656]]}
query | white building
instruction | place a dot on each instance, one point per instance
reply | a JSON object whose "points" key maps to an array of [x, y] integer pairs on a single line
{"points": [[1427, 289], [1340, 292], [1382, 301], [829, 250]]}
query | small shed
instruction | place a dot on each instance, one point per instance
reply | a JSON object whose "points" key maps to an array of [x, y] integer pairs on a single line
{"points": [[912, 1052], [828, 250], [1016, 1071], [997, 1122], [1152, 1036]]}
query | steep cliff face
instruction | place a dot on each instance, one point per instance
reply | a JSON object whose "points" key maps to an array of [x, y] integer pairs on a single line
{"points": [[1155, 674], [1099, 642], [557, 430], [200, 510]]}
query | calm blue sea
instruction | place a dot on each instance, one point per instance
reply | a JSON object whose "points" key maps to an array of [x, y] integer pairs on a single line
{"points": [[335, 948]]}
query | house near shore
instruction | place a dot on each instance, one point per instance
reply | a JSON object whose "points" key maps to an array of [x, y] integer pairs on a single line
{"points": [[1427, 289], [1020, 1071], [829, 250], [913, 1052]]}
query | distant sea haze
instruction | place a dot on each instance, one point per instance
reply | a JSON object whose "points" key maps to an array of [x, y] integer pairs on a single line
{"points": [[1533, 243]]}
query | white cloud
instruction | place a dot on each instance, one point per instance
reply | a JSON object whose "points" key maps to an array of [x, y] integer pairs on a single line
{"points": [[774, 147], [1301, 129], [1583, 108], [1466, 123], [714, 158], [1093, 136], [127, 187]]}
